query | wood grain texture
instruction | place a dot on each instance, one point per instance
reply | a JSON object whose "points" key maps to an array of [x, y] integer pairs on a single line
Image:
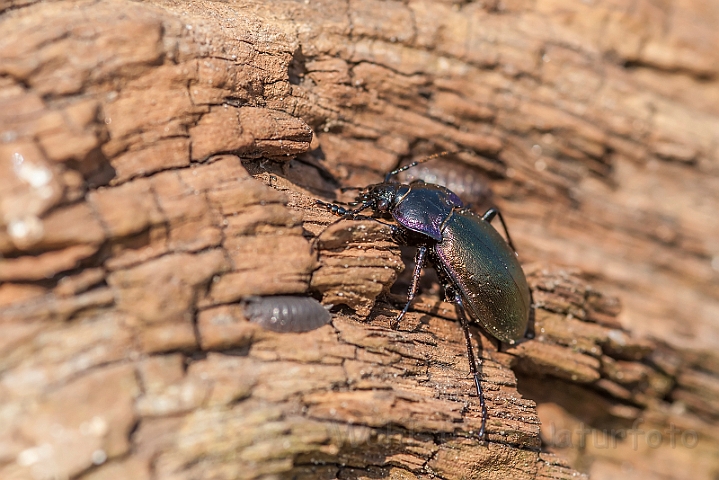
{"points": [[159, 163]]}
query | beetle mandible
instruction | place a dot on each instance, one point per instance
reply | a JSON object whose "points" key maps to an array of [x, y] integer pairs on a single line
{"points": [[477, 267]]}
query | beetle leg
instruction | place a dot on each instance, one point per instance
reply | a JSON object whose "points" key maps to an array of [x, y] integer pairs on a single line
{"points": [[354, 214], [530, 325], [418, 265], [347, 189], [394, 229], [472, 362], [489, 216]]}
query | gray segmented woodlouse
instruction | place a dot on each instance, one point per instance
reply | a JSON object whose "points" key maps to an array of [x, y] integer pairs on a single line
{"points": [[287, 313]]}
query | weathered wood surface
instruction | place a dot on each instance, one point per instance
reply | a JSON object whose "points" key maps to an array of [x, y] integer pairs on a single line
{"points": [[131, 228]]}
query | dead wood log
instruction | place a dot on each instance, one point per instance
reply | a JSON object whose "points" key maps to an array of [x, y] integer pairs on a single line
{"points": [[148, 183]]}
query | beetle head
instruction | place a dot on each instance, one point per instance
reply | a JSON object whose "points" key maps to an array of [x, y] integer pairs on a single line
{"points": [[383, 197]]}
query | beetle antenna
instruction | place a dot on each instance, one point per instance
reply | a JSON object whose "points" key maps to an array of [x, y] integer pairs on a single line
{"points": [[423, 160], [347, 189], [344, 212]]}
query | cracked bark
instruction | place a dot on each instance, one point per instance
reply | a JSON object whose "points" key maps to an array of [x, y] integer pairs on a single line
{"points": [[157, 167]]}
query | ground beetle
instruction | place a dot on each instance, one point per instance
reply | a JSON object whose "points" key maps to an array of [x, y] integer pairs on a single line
{"points": [[477, 267]]}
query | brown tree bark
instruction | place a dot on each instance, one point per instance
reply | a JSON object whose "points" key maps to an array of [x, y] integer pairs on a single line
{"points": [[159, 163]]}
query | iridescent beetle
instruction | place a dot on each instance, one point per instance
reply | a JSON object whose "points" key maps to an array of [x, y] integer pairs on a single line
{"points": [[477, 267]]}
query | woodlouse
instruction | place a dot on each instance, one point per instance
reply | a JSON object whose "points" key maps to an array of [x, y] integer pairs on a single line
{"points": [[287, 313]]}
